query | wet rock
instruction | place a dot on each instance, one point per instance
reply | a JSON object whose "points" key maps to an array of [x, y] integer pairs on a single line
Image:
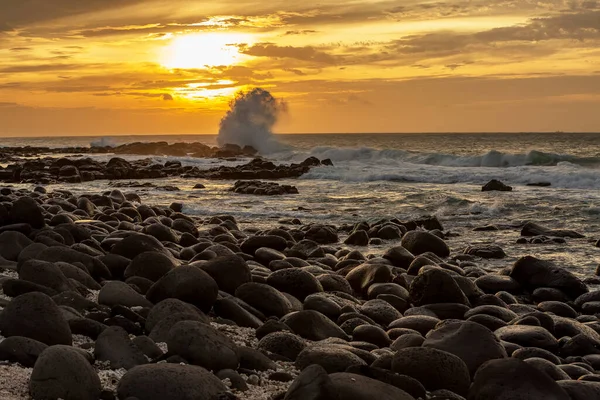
{"points": [[436, 286], [532, 273], [533, 229], [419, 242], [485, 251], [399, 257], [322, 234], [357, 238], [496, 185], [365, 275], [263, 188]]}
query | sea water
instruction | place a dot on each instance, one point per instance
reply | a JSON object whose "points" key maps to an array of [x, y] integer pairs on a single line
{"points": [[405, 176]]}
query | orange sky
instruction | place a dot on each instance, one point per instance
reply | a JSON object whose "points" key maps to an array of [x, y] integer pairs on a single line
{"points": [[72, 67]]}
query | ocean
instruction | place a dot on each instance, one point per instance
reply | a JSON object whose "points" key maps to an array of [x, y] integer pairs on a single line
{"points": [[409, 175]]}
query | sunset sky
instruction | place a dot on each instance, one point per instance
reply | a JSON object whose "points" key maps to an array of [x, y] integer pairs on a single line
{"points": [[89, 67]]}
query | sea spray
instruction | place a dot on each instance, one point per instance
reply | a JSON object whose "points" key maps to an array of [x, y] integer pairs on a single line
{"points": [[250, 121], [103, 142]]}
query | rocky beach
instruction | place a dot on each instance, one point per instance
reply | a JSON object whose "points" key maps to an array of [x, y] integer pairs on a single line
{"points": [[107, 294]]}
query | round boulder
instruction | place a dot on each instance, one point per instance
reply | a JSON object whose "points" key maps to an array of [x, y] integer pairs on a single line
{"points": [[435, 369], [169, 382], [419, 242], [62, 372], [34, 315]]}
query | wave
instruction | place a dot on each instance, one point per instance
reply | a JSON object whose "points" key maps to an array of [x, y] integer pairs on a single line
{"points": [[491, 159], [563, 175], [103, 142]]}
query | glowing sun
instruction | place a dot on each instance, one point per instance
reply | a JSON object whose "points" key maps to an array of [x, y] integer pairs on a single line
{"points": [[203, 50]]}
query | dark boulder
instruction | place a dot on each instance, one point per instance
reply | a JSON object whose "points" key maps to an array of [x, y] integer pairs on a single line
{"points": [[27, 211], [62, 372], [496, 185], [471, 342], [22, 350], [533, 273], [435, 369], [313, 325], [511, 378], [419, 242], [35, 316], [186, 283], [436, 286], [150, 265], [264, 298], [230, 272], [203, 345], [115, 346], [170, 382]]}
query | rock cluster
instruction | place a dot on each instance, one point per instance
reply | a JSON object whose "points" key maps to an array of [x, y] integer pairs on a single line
{"points": [[75, 170], [263, 188], [418, 321]]}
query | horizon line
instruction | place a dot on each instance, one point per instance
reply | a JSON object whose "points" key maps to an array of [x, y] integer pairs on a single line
{"points": [[304, 133]]}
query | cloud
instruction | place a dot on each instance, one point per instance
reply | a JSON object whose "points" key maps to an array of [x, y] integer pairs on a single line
{"points": [[19, 49], [305, 53], [16, 69], [295, 71], [167, 97], [300, 32]]}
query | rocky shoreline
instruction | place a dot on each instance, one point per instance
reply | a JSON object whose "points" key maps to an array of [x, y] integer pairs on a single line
{"points": [[76, 170], [104, 297]]}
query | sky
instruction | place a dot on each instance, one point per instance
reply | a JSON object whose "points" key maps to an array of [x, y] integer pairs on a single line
{"points": [[72, 67]]}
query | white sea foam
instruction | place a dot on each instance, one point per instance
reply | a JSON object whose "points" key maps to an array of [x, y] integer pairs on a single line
{"points": [[491, 159]]}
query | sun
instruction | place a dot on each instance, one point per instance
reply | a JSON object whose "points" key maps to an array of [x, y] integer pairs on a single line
{"points": [[203, 50]]}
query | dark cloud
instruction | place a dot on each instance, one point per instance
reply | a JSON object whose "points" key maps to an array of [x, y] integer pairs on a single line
{"points": [[167, 97], [295, 71], [15, 69], [306, 53], [17, 13], [300, 32], [18, 49]]}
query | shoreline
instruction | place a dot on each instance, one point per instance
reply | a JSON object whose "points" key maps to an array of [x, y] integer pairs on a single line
{"points": [[122, 273]]}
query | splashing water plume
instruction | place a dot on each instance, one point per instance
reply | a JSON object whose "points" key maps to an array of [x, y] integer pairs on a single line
{"points": [[250, 121]]}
